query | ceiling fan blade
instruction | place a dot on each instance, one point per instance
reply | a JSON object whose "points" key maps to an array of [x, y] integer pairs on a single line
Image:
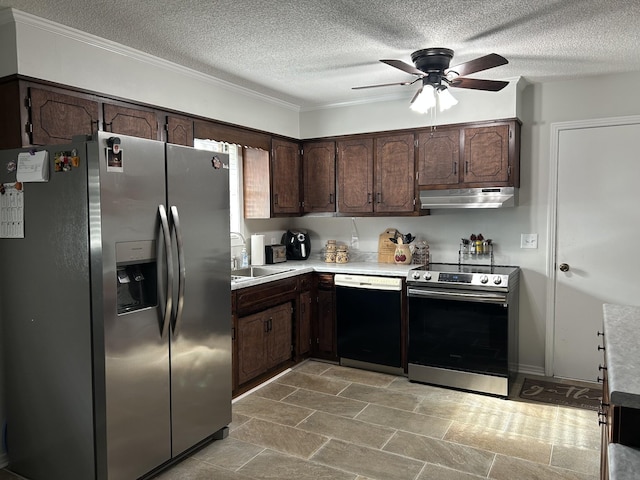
{"points": [[405, 67], [385, 85], [478, 84], [477, 65]]}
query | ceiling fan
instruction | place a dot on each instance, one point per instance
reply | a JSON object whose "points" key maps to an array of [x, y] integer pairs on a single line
{"points": [[432, 67]]}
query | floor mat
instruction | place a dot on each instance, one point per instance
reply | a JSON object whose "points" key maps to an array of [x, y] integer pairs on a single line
{"points": [[561, 394]]}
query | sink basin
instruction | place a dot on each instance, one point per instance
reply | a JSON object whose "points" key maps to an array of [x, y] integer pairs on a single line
{"points": [[255, 272]]}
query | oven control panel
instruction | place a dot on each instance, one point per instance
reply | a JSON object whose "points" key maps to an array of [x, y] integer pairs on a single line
{"points": [[459, 278]]}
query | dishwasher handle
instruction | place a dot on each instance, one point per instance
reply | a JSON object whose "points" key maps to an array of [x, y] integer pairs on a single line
{"points": [[368, 282]]}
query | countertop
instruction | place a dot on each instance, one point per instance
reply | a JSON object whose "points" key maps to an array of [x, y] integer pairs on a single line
{"points": [[624, 462], [621, 340], [291, 268]]}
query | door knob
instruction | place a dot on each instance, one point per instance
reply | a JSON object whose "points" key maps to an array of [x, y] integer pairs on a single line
{"points": [[564, 267]]}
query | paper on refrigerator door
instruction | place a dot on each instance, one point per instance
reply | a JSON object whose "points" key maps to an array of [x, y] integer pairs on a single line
{"points": [[12, 212], [33, 166]]}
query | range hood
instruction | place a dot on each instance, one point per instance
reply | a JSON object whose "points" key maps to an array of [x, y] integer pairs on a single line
{"points": [[490, 197]]}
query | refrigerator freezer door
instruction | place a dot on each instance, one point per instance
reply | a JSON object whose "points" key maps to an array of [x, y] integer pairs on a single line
{"points": [[201, 344], [136, 353]]}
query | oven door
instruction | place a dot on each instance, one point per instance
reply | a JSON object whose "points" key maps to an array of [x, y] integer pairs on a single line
{"points": [[459, 330]]}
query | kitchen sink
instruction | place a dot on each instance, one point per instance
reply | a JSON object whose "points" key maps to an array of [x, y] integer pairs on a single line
{"points": [[255, 272]]}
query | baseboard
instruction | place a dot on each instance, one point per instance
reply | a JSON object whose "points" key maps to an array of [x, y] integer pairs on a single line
{"points": [[4, 460], [531, 370]]}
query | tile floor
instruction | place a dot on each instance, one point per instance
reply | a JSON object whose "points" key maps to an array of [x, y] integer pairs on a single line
{"points": [[325, 422]]}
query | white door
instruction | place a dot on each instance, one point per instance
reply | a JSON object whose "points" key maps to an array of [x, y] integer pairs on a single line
{"points": [[597, 239]]}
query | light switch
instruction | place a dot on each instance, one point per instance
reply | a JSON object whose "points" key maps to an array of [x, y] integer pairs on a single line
{"points": [[528, 240]]}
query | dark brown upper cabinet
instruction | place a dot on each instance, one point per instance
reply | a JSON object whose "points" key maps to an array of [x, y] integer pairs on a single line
{"points": [[470, 156], [286, 178], [376, 175], [126, 120], [319, 173], [54, 117], [179, 130], [355, 175], [439, 157], [395, 174]]}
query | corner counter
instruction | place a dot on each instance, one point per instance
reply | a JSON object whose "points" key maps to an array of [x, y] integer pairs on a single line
{"points": [[292, 268], [621, 393]]}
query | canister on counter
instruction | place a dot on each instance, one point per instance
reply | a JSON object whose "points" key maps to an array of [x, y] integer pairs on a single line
{"points": [[342, 254]]}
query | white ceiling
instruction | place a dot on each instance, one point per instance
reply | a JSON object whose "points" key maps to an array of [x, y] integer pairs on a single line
{"points": [[311, 52]]}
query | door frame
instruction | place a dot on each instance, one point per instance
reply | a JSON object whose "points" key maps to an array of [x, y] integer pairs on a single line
{"points": [[552, 218]]}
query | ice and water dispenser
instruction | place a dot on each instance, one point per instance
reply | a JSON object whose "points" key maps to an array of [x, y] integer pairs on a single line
{"points": [[137, 275]]}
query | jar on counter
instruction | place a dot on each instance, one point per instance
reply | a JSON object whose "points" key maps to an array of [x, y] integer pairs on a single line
{"points": [[330, 251], [342, 254]]}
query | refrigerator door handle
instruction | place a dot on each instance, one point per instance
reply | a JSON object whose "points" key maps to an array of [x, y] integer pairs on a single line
{"points": [[182, 271], [166, 234]]}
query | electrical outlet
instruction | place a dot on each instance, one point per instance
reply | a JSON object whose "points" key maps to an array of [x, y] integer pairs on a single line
{"points": [[528, 240]]}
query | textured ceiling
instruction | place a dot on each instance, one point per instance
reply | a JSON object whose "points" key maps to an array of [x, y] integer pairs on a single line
{"points": [[311, 52]]}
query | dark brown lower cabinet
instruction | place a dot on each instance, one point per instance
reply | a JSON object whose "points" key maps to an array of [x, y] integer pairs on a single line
{"points": [[324, 341], [264, 340], [304, 326]]}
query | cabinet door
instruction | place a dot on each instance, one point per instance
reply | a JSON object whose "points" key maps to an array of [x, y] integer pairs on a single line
{"points": [[324, 328], [355, 175], [395, 174], [251, 346], [285, 178], [179, 130], [56, 117], [319, 173], [439, 157], [304, 325], [279, 336], [131, 121], [486, 155]]}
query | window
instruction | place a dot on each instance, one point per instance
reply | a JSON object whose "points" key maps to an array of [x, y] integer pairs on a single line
{"points": [[236, 219]]}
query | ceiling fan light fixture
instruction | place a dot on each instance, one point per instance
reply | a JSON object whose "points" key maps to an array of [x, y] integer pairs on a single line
{"points": [[445, 99], [424, 100]]}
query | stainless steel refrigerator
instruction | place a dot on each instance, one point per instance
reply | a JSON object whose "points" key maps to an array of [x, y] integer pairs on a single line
{"points": [[116, 315]]}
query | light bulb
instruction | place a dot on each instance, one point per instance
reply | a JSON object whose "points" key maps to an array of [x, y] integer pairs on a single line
{"points": [[445, 99], [424, 100]]}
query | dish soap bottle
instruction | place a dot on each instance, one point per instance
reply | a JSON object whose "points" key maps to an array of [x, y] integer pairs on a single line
{"points": [[245, 257]]}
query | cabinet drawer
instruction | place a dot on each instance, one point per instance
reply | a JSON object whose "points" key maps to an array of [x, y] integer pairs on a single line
{"points": [[252, 299]]}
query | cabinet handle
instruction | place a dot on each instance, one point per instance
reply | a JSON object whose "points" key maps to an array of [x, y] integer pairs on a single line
{"points": [[275, 199], [368, 198], [466, 167], [379, 197], [600, 380], [455, 168], [110, 125], [600, 334], [266, 326], [270, 325], [233, 333], [331, 198], [600, 347], [601, 367]]}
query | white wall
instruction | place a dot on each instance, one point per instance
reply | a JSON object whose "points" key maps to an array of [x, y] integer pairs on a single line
{"points": [[63, 55]]}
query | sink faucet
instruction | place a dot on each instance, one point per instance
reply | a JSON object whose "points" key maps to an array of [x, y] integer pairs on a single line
{"points": [[244, 242], [234, 260]]}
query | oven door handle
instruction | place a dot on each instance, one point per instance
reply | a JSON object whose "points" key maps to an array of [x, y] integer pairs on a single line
{"points": [[486, 297]]}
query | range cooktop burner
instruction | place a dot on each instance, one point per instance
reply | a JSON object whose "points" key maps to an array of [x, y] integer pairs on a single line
{"points": [[464, 276]]}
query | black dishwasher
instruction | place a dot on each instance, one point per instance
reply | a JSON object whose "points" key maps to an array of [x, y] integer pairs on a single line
{"points": [[369, 322]]}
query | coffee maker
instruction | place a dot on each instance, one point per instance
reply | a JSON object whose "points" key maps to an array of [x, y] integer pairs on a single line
{"points": [[298, 244]]}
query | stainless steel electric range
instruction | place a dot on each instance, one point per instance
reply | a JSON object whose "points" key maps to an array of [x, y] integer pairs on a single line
{"points": [[463, 326]]}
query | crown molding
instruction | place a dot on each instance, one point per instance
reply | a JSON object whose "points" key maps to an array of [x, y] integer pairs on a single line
{"points": [[12, 15]]}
